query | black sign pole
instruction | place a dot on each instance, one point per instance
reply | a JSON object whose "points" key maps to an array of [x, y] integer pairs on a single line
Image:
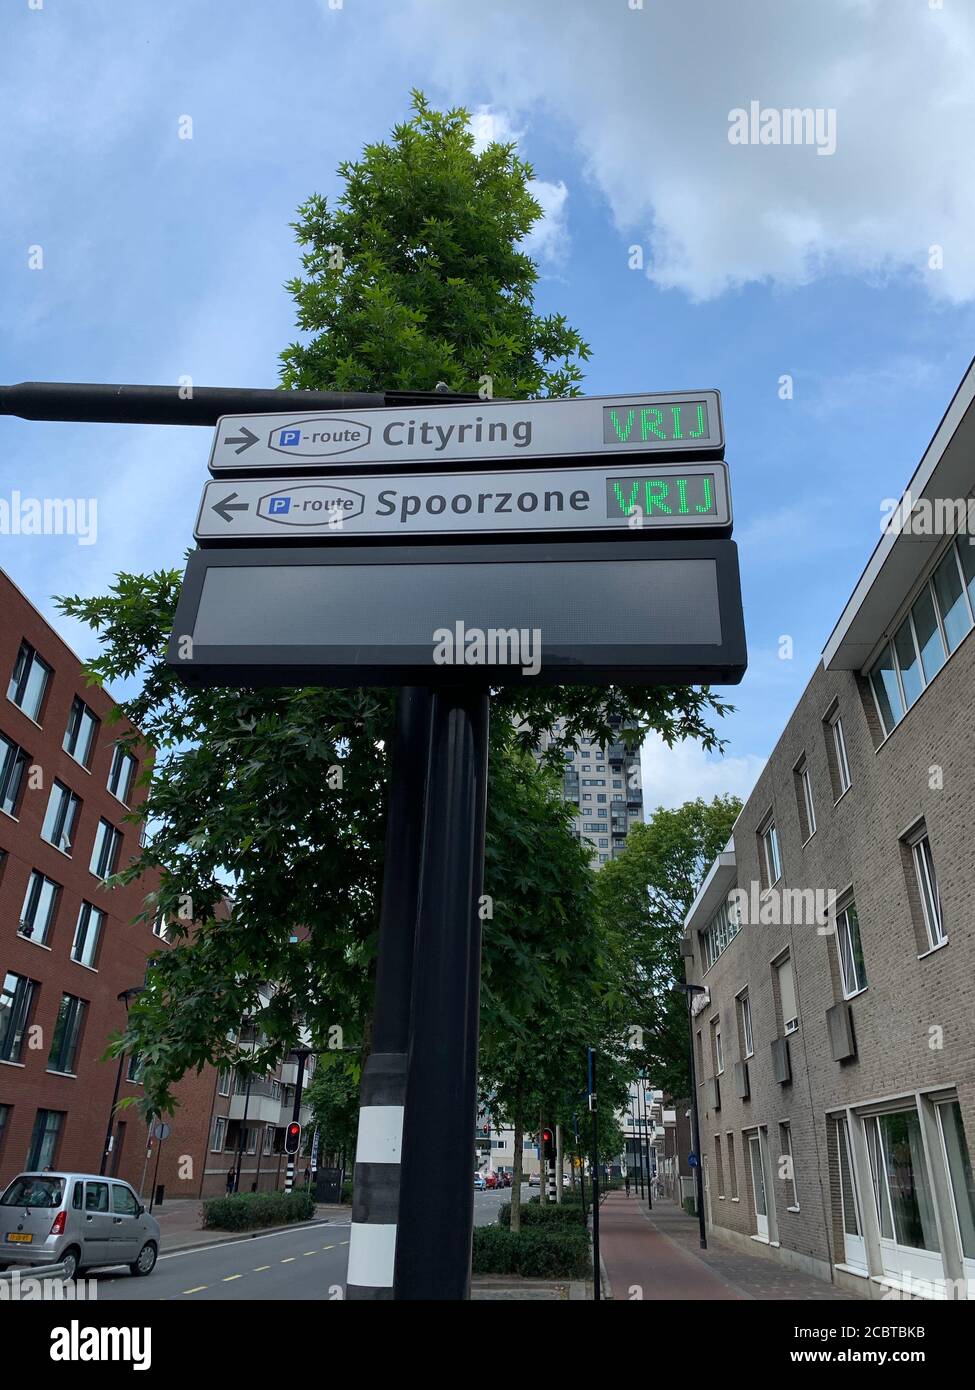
{"points": [[433, 1254], [376, 1182]]}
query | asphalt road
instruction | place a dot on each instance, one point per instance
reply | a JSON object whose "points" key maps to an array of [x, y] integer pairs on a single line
{"points": [[309, 1263]]}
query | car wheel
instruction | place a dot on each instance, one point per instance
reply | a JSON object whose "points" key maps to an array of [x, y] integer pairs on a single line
{"points": [[146, 1262], [70, 1261]]}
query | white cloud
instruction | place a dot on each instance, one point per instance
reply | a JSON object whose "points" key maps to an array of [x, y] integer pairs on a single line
{"points": [[675, 775], [647, 93]]}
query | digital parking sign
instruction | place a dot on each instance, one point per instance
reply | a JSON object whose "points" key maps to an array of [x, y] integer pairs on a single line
{"points": [[692, 499], [509, 434]]}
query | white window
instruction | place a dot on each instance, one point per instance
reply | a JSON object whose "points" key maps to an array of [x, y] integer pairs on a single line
{"points": [[59, 819], [79, 736], [927, 886], [223, 1082], [121, 774], [960, 1172], [805, 783], [851, 951], [718, 1052], [87, 935], [839, 750], [219, 1135], [769, 837], [105, 850], [40, 903], [787, 995], [745, 1014], [29, 682]]}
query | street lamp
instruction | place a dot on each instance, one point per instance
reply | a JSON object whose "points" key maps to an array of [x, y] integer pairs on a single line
{"points": [[126, 996], [690, 991]]}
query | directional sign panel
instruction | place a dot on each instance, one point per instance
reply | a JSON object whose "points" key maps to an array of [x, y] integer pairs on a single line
{"points": [[626, 611], [509, 433], [660, 497]]}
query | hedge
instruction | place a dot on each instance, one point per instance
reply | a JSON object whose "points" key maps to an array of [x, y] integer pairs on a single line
{"points": [[246, 1211], [566, 1217], [534, 1254]]}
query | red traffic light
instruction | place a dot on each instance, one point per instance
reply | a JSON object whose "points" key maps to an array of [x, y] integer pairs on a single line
{"points": [[292, 1137]]}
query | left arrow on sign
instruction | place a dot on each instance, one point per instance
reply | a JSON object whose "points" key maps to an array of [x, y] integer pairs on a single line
{"points": [[245, 439], [226, 505]]}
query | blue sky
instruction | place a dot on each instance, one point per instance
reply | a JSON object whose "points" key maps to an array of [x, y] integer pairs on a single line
{"points": [[164, 258]]}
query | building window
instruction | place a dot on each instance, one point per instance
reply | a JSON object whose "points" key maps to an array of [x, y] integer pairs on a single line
{"points": [[732, 1166], [745, 1020], [786, 994], [105, 850], [79, 736], [134, 1070], [4, 1117], [804, 798], [901, 1186], [219, 1135], [29, 682], [223, 1082], [61, 816], [268, 1138], [16, 1000], [40, 905], [716, 1049], [850, 1207], [122, 773], [88, 935], [44, 1140], [67, 1033], [787, 1167], [718, 935], [13, 761], [940, 617], [851, 951], [718, 1165], [771, 859], [960, 1172], [927, 887], [839, 761]]}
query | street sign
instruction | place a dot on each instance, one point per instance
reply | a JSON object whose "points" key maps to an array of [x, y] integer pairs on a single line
{"points": [[659, 497], [676, 423], [692, 1160], [483, 613], [161, 1130]]}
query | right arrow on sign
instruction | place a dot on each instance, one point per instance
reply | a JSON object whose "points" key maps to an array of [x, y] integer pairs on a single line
{"points": [[245, 439], [227, 505]]}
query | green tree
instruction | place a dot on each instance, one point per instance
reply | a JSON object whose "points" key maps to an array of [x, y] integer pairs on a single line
{"points": [[417, 275], [643, 898]]}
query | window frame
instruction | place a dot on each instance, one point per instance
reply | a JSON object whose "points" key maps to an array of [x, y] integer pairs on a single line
{"points": [[19, 1015], [843, 926], [101, 917], [931, 912], [70, 803], [30, 655], [838, 735], [32, 896]]}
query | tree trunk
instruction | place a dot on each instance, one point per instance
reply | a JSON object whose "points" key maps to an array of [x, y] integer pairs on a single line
{"points": [[517, 1174]]}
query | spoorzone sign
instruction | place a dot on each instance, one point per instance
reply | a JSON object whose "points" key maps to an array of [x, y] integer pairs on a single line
{"points": [[661, 497]]}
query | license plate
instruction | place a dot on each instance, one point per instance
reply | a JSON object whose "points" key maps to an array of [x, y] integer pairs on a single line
{"points": [[24, 1237]]}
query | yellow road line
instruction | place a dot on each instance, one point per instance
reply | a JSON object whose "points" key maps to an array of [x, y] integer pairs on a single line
{"points": [[260, 1267], [328, 1247], [310, 1252], [199, 1288], [290, 1260], [231, 1277]]}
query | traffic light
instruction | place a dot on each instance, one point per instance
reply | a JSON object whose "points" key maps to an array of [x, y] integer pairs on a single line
{"points": [[292, 1137], [548, 1145]]}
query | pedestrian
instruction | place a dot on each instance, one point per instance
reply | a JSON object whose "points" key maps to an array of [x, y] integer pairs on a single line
{"points": [[626, 1180], [231, 1176], [307, 1174]]}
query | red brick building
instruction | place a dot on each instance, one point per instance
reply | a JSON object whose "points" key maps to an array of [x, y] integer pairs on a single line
{"points": [[69, 948]]}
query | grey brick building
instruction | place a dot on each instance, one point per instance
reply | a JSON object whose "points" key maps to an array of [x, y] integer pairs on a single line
{"points": [[835, 1041]]}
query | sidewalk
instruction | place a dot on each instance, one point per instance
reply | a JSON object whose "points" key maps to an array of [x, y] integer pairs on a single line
{"points": [[659, 1254], [181, 1224]]}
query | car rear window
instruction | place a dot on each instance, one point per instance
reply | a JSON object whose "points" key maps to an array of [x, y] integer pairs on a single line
{"points": [[33, 1192]]}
